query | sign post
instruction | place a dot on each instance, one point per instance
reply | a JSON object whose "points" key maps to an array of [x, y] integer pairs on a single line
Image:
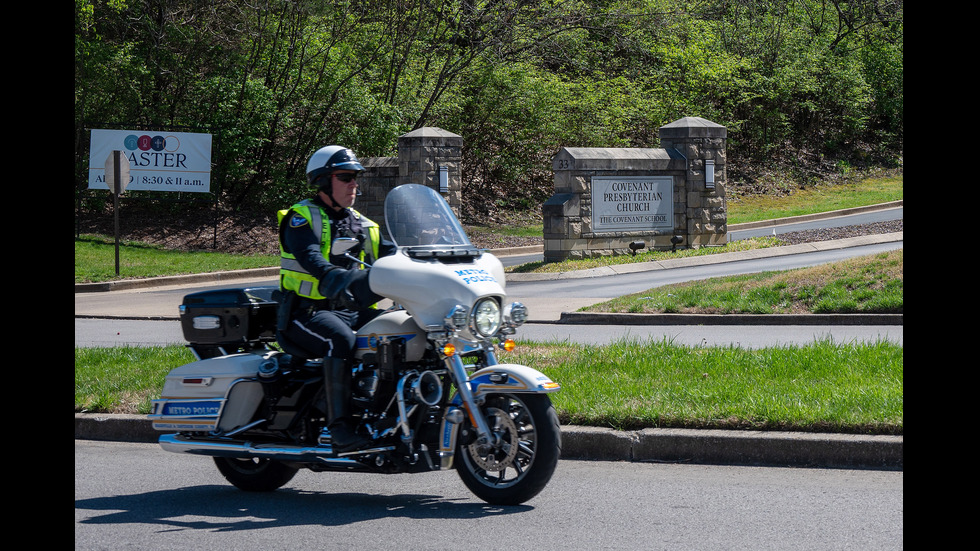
{"points": [[116, 177]]}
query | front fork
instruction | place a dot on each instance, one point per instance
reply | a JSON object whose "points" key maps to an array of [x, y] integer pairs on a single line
{"points": [[452, 419], [455, 364]]}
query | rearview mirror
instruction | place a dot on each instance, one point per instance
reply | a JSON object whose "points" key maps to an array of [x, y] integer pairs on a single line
{"points": [[343, 245]]}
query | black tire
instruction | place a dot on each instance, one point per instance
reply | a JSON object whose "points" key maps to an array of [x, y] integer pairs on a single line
{"points": [[255, 475], [518, 470]]}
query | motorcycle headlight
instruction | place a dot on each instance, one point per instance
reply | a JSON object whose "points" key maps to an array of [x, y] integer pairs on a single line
{"points": [[485, 317]]}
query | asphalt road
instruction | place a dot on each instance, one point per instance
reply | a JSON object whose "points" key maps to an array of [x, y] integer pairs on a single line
{"points": [[136, 496], [130, 332], [773, 227]]}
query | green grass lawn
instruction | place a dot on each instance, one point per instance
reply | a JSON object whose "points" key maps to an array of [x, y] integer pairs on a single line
{"points": [[866, 284], [630, 384], [817, 198], [95, 260]]}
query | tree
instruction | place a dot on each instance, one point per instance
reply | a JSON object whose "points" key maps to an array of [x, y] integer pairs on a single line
{"points": [[273, 80]]}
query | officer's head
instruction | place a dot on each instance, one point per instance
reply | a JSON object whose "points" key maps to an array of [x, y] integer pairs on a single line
{"points": [[333, 170]]}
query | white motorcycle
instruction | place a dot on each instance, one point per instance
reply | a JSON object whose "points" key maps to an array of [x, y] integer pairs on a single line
{"points": [[428, 391]]}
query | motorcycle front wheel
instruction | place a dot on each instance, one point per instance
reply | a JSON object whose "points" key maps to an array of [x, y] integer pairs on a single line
{"points": [[255, 475], [524, 454]]}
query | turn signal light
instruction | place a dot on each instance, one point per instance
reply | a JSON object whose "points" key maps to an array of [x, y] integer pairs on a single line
{"points": [[448, 350], [508, 345]]}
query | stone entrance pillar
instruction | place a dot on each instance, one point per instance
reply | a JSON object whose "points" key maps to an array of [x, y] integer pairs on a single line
{"points": [[611, 201], [432, 157], [702, 144], [427, 156]]}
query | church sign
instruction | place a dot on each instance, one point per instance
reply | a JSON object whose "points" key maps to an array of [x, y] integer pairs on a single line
{"points": [[630, 203], [165, 161]]}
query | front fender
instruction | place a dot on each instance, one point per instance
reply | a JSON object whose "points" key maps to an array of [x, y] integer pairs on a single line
{"points": [[511, 378]]}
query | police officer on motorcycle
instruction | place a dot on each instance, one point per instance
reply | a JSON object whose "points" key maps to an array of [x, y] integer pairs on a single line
{"points": [[326, 297]]}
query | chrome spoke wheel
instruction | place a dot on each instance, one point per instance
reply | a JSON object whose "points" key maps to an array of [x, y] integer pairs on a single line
{"points": [[522, 452], [499, 456]]}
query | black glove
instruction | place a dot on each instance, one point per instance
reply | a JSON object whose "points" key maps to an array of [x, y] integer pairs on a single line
{"points": [[360, 289], [349, 288]]}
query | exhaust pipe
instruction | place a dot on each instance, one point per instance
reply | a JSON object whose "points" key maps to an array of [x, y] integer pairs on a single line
{"points": [[246, 450]]}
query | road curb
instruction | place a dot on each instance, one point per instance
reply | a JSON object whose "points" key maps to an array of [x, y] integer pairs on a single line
{"points": [[735, 447], [728, 447], [686, 262], [210, 277], [599, 318], [815, 216]]}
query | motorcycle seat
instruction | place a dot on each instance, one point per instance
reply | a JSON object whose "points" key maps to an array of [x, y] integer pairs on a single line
{"points": [[292, 348]]}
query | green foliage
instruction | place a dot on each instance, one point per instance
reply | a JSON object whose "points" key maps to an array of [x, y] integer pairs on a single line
{"points": [[792, 80]]}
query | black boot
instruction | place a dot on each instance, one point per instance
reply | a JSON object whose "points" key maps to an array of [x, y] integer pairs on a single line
{"points": [[337, 383]]}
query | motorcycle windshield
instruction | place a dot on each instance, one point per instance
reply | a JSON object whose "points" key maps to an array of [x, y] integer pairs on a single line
{"points": [[419, 219]]}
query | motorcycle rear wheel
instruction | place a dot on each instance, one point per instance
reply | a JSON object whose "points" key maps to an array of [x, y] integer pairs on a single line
{"points": [[530, 444], [255, 475]]}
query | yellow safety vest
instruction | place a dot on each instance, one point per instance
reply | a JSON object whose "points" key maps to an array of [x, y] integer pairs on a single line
{"points": [[295, 278]]}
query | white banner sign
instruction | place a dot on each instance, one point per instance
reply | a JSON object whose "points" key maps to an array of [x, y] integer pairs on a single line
{"points": [[624, 203], [159, 161]]}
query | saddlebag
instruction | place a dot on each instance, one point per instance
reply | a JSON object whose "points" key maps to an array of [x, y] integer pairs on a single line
{"points": [[229, 317], [220, 394]]}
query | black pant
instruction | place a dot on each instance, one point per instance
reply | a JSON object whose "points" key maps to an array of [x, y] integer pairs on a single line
{"points": [[328, 333]]}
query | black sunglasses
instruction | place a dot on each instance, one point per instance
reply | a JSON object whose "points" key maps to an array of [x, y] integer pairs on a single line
{"points": [[346, 177]]}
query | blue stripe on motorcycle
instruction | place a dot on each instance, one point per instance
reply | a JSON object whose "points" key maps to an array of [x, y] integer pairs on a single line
{"points": [[370, 342]]}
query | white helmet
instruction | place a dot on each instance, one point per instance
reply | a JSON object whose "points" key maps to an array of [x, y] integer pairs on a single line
{"points": [[330, 158]]}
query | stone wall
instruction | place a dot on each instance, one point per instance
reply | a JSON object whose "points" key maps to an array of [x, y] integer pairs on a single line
{"points": [[694, 209], [380, 176], [698, 216]]}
